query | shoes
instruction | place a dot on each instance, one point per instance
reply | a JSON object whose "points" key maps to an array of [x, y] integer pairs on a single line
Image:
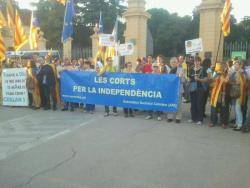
{"points": [[190, 121], [199, 123], [169, 120], [237, 129], [106, 114], [149, 117], [159, 118], [211, 125], [115, 114], [178, 121], [64, 109]]}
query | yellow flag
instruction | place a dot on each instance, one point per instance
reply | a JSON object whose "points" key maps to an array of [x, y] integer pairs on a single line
{"points": [[225, 18], [3, 22], [62, 2], [10, 14], [20, 38], [2, 49]]}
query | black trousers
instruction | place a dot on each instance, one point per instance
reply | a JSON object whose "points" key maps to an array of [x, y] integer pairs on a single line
{"points": [[158, 113], [244, 109], [128, 111], [48, 92], [30, 99], [224, 114], [205, 98], [107, 109], [41, 95], [197, 104]]}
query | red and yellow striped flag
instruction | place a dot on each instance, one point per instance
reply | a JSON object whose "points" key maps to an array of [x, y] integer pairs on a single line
{"points": [[20, 38], [10, 14], [225, 18], [3, 22], [2, 49], [62, 1]]}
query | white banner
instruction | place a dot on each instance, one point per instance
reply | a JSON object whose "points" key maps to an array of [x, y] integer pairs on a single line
{"points": [[107, 40], [126, 49], [194, 46], [14, 87]]}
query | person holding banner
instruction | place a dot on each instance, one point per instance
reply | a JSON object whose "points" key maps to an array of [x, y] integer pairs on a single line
{"points": [[178, 70], [87, 67], [156, 70], [128, 112], [109, 68]]}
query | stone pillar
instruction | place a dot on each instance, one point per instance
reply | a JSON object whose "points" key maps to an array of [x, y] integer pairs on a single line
{"points": [[95, 40], [67, 49], [136, 28], [210, 28]]}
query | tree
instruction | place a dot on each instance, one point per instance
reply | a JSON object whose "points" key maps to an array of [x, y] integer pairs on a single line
{"points": [[170, 31], [51, 16]]}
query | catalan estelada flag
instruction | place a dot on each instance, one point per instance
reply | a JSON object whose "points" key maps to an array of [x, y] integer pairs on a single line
{"points": [[62, 2], [10, 14], [3, 22], [34, 32], [2, 49], [225, 18], [20, 38]]}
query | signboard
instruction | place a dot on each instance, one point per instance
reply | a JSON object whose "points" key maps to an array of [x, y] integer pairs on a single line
{"points": [[194, 46], [137, 91], [239, 54], [14, 87], [126, 49], [106, 40]]}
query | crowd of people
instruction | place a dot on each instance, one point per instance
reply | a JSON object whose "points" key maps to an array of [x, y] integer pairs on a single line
{"points": [[224, 85]]}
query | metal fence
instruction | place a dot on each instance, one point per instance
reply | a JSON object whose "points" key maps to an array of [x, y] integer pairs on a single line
{"points": [[236, 46]]}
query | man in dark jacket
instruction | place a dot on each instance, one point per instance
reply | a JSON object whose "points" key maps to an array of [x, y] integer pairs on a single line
{"points": [[47, 81]]}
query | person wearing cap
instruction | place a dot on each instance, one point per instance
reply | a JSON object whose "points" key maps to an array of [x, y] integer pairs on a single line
{"points": [[238, 93], [108, 68], [155, 70]]}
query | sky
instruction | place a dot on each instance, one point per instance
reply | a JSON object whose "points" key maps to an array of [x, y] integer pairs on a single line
{"points": [[182, 7]]}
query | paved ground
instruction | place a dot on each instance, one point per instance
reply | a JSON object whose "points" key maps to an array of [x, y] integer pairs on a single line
{"points": [[75, 150]]}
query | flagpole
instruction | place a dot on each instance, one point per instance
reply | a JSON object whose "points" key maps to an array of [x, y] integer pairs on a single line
{"points": [[218, 47]]}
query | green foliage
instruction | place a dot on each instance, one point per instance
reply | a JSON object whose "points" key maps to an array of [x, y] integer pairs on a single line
{"points": [[170, 31], [51, 15], [240, 32]]}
